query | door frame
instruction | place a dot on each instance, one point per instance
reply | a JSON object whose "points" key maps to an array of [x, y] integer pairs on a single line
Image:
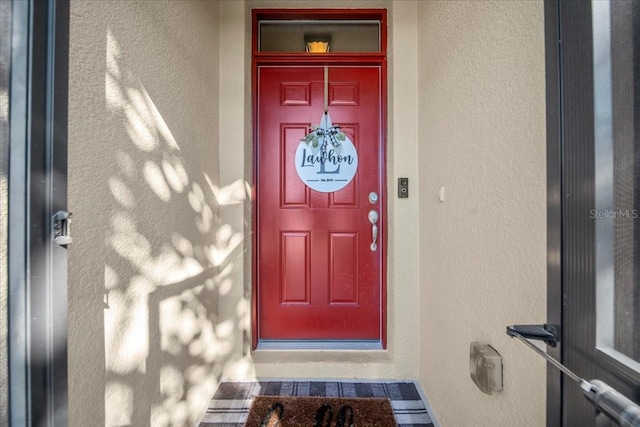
{"points": [[314, 59], [554, 204], [36, 266]]}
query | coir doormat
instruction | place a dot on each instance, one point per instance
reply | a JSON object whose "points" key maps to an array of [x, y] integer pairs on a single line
{"points": [[282, 411]]}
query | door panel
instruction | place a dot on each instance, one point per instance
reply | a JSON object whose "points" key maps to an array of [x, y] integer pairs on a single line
{"points": [[343, 273], [293, 191], [317, 276], [295, 267]]}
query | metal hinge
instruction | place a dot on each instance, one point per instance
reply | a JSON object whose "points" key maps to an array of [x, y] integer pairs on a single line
{"points": [[62, 228]]}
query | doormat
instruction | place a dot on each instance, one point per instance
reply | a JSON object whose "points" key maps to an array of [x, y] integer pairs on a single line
{"points": [[229, 406], [285, 411]]}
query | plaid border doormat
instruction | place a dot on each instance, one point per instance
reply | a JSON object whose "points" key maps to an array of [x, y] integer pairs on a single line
{"points": [[231, 402]]}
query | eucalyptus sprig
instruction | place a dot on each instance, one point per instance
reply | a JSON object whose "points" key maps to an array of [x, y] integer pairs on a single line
{"points": [[318, 138]]}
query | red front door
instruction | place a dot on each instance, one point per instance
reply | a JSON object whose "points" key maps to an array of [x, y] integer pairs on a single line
{"points": [[319, 278]]}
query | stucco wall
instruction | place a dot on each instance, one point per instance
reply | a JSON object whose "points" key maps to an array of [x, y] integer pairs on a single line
{"points": [[160, 168], [145, 344], [482, 250]]}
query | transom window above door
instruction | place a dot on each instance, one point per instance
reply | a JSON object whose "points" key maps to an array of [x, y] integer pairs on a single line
{"points": [[333, 36], [327, 32]]}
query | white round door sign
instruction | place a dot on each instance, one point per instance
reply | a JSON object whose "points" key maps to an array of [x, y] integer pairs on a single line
{"points": [[326, 161]]}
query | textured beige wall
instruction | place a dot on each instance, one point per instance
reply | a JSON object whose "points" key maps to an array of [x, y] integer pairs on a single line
{"points": [[483, 250], [145, 344], [163, 218]]}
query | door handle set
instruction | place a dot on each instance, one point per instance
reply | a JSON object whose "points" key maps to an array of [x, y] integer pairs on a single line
{"points": [[373, 219]]}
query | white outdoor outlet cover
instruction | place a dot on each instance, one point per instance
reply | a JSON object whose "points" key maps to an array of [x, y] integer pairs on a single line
{"points": [[486, 367]]}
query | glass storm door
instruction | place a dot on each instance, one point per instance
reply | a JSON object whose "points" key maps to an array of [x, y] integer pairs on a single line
{"points": [[600, 74]]}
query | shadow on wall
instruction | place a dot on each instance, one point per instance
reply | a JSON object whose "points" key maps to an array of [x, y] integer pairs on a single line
{"points": [[168, 259]]}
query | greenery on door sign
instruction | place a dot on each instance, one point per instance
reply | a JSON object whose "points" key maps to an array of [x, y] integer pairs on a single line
{"points": [[320, 137]]}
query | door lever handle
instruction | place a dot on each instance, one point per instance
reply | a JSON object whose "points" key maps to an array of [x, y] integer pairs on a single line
{"points": [[373, 219]]}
